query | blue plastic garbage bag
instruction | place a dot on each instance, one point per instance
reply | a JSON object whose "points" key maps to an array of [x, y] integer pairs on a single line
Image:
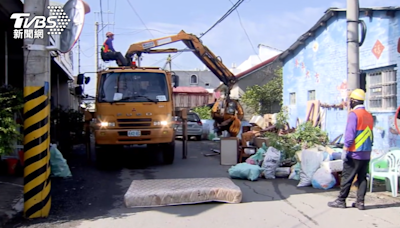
{"points": [[323, 179], [245, 171], [264, 147], [59, 166], [257, 158], [336, 155]]}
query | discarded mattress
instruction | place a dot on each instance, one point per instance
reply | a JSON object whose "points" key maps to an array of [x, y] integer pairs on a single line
{"points": [[164, 192]]}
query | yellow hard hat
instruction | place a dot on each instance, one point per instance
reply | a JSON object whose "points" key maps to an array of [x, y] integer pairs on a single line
{"points": [[358, 94]]}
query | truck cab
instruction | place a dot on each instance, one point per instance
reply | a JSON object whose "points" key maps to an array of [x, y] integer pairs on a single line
{"points": [[134, 106]]}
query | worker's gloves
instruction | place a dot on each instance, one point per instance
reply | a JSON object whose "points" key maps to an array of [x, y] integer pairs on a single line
{"points": [[344, 155]]}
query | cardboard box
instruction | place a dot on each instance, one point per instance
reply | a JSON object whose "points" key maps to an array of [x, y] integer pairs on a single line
{"points": [[259, 141], [256, 128], [257, 121]]}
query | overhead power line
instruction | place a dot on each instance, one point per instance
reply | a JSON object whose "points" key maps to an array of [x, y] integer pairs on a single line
{"points": [[233, 8], [247, 35], [144, 24], [115, 8], [101, 13]]}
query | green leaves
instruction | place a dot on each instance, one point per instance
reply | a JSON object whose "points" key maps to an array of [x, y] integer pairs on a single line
{"points": [[287, 144], [204, 112], [11, 102], [306, 135], [282, 118], [309, 135], [260, 98]]}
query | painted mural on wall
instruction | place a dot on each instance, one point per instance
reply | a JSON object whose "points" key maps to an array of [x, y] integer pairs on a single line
{"points": [[321, 65], [385, 134], [394, 137]]}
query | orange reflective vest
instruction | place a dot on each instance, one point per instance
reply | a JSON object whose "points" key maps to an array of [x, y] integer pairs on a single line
{"points": [[363, 138], [104, 48]]}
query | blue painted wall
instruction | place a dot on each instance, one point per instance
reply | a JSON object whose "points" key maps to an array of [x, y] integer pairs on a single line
{"points": [[320, 64]]}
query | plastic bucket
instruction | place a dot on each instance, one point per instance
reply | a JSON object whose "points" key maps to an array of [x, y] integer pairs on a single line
{"points": [[11, 165]]}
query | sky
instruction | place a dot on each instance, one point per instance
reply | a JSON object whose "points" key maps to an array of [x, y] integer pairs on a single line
{"points": [[278, 24]]}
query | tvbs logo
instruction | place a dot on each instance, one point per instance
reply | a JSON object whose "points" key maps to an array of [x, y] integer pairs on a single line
{"points": [[25, 28]]}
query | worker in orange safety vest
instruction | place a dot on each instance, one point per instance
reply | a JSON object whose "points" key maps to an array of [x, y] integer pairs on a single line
{"points": [[108, 52], [356, 151]]}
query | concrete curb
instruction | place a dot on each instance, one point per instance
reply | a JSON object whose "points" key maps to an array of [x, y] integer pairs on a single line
{"points": [[17, 209]]}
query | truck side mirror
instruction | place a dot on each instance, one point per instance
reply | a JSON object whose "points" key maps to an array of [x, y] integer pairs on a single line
{"points": [[175, 80], [87, 80], [80, 79]]}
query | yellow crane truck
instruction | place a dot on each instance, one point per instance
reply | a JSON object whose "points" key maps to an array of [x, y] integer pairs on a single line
{"points": [[227, 113], [134, 104]]}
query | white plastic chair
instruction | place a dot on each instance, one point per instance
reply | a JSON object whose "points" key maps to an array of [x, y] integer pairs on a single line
{"points": [[391, 173]]}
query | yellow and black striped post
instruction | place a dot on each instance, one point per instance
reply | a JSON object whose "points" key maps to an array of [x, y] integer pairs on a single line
{"points": [[36, 117], [36, 152]]}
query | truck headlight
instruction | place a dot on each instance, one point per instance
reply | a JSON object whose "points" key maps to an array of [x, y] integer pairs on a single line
{"points": [[161, 123], [107, 124]]}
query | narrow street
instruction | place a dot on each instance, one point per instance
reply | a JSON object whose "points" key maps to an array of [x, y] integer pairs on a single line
{"points": [[94, 198]]}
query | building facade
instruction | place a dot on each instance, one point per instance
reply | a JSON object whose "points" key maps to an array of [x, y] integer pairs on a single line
{"points": [[259, 74], [197, 78], [315, 68]]}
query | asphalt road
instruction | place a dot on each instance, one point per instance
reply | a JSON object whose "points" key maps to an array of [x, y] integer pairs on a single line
{"points": [[94, 198]]}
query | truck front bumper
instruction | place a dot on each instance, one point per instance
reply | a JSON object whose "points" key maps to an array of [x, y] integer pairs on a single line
{"points": [[147, 136]]}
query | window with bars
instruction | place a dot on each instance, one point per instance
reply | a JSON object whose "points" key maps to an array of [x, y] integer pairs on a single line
{"points": [[292, 98], [311, 95], [382, 90]]}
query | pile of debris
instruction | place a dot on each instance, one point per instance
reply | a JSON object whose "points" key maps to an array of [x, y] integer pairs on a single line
{"points": [[302, 153]]}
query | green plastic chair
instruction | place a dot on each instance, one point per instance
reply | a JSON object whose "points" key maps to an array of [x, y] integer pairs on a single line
{"points": [[386, 167]]}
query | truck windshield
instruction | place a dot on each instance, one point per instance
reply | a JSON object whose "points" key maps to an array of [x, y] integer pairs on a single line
{"points": [[133, 87]]}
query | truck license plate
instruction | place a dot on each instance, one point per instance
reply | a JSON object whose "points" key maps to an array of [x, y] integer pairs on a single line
{"points": [[134, 133]]}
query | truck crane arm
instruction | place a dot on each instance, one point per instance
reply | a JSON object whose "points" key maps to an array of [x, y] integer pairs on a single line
{"points": [[213, 62]]}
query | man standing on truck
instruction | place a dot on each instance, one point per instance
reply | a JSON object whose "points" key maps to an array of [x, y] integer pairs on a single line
{"points": [[356, 151], [108, 52]]}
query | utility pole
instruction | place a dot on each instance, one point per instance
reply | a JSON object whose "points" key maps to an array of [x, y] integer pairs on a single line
{"points": [[353, 64], [96, 46], [79, 56], [97, 31], [170, 63], [37, 198], [102, 23]]}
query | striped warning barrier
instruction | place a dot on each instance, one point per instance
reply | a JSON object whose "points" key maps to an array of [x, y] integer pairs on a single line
{"points": [[36, 156]]}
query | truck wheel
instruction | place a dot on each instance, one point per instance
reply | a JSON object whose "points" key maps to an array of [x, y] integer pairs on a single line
{"points": [[168, 151], [198, 137]]}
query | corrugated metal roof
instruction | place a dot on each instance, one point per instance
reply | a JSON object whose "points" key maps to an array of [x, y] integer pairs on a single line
{"points": [[192, 89], [329, 13]]}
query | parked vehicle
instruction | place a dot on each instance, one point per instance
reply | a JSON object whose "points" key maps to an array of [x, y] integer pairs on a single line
{"points": [[194, 125], [134, 106]]}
